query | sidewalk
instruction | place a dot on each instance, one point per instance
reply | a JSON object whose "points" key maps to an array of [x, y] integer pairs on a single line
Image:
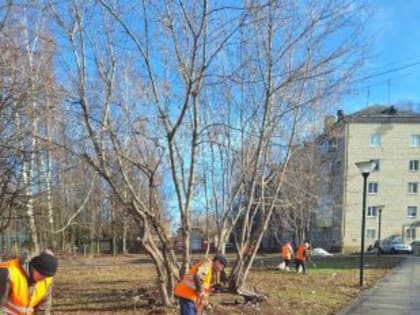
{"points": [[397, 294]]}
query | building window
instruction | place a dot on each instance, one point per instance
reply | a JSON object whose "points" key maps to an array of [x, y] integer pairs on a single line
{"points": [[414, 165], [373, 188], [372, 211], [377, 165], [415, 140], [371, 234], [410, 234], [412, 188], [375, 141], [411, 211]]}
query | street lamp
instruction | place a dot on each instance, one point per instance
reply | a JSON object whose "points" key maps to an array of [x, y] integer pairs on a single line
{"points": [[379, 228], [365, 168]]}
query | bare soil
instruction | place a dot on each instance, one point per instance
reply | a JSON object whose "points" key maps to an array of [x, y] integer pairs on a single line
{"points": [[127, 285]]}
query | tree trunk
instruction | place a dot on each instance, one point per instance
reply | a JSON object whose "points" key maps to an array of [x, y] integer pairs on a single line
{"points": [[124, 237], [113, 233], [27, 179], [51, 237]]}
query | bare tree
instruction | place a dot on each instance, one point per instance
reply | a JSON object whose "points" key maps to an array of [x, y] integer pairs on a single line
{"points": [[11, 96], [286, 74], [129, 146], [140, 93], [32, 64], [300, 193]]}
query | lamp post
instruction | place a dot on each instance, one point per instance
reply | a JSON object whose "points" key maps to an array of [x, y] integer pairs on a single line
{"points": [[379, 228], [365, 168]]}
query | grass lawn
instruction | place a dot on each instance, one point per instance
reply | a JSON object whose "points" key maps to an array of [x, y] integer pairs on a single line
{"points": [[126, 285]]}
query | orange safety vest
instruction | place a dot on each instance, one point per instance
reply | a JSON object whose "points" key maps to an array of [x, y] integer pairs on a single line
{"points": [[300, 253], [286, 252], [22, 299], [186, 288]]}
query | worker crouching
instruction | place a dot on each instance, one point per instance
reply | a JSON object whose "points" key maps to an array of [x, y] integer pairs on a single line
{"points": [[194, 289], [25, 288]]}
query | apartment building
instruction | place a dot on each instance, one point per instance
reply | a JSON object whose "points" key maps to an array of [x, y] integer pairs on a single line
{"points": [[390, 137]]}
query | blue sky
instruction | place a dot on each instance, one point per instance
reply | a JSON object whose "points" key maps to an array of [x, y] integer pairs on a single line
{"points": [[394, 62]]}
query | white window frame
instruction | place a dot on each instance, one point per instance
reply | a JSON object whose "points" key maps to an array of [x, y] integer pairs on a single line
{"points": [[415, 141], [413, 165], [412, 212], [372, 212], [372, 188], [370, 234], [375, 140], [410, 233], [413, 188]]}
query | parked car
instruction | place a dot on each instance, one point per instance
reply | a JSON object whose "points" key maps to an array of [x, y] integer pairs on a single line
{"points": [[394, 247], [415, 246]]}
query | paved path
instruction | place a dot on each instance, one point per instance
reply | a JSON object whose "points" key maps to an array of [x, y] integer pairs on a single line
{"points": [[397, 294]]}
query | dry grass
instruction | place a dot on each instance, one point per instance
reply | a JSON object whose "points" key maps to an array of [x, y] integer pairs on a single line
{"points": [[126, 285]]}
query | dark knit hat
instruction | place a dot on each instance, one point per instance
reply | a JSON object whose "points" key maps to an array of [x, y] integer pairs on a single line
{"points": [[46, 264], [222, 259]]}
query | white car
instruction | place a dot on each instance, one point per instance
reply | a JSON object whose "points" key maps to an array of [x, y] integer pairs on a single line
{"points": [[394, 247]]}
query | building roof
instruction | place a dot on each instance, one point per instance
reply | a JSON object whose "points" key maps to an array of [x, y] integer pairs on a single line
{"points": [[382, 114]]}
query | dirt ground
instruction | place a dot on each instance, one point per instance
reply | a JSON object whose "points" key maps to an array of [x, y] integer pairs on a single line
{"points": [[126, 285]]}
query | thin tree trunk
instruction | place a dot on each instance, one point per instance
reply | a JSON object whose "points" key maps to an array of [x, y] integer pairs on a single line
{"points": [[52, 241], [113, 232], [27, 180], [124, 236]]}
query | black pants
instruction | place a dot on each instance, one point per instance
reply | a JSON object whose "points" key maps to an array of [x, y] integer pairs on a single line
{"points": [[299, 262]]}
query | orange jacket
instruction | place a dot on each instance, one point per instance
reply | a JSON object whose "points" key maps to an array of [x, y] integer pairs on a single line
{"points": [[286, 252], [22, 299], [301, 253], [187, 289]]}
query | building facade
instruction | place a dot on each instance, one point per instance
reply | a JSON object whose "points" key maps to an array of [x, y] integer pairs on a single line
{"points": [[391, 138]]}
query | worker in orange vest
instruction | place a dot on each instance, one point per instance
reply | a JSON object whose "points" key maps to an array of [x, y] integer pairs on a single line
{"points": [[25, 288], [287, 254], [194, 289], [300, 256]]}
